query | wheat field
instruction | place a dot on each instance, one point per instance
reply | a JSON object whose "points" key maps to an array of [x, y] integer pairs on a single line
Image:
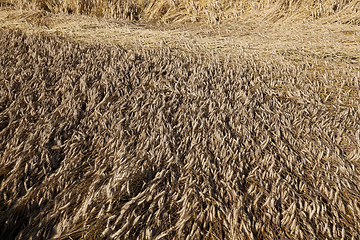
{"points": [[345, 11], [170, 140]]}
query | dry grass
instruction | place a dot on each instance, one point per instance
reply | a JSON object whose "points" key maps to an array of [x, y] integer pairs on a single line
{"points": [[344, 11]]}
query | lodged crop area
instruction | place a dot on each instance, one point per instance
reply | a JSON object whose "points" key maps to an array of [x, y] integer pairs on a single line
{"points": [[101, 142]]}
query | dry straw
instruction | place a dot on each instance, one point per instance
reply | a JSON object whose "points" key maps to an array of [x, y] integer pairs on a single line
{"points": [[102, 142], [345, 11], [98, 142]]}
